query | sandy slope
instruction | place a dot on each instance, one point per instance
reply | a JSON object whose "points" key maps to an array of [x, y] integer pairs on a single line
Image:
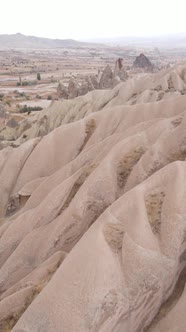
{"points": [[93, 230]]}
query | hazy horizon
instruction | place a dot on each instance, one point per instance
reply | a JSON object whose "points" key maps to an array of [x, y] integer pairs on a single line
{"points": [[102, 38], [83, 20]]}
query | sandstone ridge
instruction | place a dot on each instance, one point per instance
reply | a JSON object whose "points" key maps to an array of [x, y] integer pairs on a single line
{"points": [[92, 208]]}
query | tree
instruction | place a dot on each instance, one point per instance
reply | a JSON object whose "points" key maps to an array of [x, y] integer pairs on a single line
{"points": [[38, 76]]}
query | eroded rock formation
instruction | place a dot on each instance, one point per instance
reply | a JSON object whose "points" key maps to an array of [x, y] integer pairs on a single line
{"points": [[119, 70], [143, 62], [107, 79], [92, 231]]}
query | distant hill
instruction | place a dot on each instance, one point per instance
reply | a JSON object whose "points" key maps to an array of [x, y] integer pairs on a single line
{"points": [[19, 40], [170, 41]]}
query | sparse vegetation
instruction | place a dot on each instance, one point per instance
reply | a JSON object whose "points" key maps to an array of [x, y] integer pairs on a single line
{"points": [[49, 97], [8, 103], [26, 83], [26, 109], [20, 94]]}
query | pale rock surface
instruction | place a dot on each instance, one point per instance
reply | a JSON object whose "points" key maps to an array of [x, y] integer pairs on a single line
{"points": [[72, 88], [92, 229], [62, 91], [94, 82], [106, 78], [119, 70]]}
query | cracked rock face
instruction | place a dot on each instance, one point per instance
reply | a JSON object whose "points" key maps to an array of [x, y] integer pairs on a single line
{"points": [[92, 213]]}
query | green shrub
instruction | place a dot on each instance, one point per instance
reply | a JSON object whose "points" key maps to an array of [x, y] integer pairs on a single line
{"points": [[21, 94], [8, 103], [26, 109], [25, 83], [32, 83]]}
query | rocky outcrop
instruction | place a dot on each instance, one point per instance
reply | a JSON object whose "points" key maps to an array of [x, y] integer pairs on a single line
{"points": [[107, 79], [143, 62], [150, 88], [83, 89], [119, 70], [62, 91], [73, 89], [93, 82]]}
